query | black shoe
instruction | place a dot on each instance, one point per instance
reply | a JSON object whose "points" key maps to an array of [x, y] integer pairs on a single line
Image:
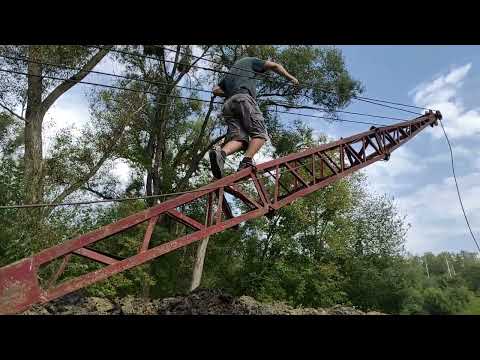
{"points": [[217, 162], [245, 163]]}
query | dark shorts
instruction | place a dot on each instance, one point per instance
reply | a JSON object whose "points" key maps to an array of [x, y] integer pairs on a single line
{"points": [[244, 119]]}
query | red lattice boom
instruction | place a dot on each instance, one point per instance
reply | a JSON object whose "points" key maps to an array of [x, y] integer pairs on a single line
{"points": [[261, 191]]}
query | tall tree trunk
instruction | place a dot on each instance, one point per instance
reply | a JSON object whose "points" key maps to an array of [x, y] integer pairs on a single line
{"points": [[33, 176], [149, 183], [154, 149]]}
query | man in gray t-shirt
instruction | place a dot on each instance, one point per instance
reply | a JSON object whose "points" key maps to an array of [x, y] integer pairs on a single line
{"points": [[246, 126]]}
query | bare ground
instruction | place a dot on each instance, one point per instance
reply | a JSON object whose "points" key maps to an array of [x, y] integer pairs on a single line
{"points": [[200, 302]]}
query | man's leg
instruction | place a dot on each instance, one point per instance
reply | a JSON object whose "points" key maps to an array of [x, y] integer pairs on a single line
{"points": [[232, 147], [254, 146], [253, 122], [237, 140], [217, 158]]}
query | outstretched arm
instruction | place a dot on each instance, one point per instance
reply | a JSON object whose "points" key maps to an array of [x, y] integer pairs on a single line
{"points": [[280, 70], [217, 91]]}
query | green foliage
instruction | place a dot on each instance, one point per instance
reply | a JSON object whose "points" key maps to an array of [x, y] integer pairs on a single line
{"points": [[436, 302], [446, 300], [439, 292], [473, 308]]}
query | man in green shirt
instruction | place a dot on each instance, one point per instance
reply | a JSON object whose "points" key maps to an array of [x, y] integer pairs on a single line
{"points": [[246, 125]]}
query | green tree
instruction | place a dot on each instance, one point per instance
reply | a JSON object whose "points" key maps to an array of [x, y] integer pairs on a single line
{"points": [[35, 94], [169, 138]]}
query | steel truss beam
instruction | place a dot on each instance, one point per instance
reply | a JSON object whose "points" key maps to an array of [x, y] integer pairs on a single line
{"points": [[302, 173]]}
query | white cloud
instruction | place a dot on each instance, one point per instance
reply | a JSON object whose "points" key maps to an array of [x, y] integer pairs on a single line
{"points": [[442, 88], [458, 74], [460, 152], [396, 173], [442, 93], [433, 210], [436, 216], [63, 115]]}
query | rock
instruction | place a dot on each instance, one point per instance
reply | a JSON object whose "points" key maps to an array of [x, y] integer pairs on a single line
{"points": [[199, 302], [136, 306], [344, 310], [37, 310], [375, 313], [99, 305]]}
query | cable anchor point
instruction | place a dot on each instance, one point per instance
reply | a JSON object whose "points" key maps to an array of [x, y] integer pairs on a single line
{"points": [[438, 116]]}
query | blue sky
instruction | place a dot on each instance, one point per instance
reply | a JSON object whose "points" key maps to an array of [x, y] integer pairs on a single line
{"points": [[418, 174]]}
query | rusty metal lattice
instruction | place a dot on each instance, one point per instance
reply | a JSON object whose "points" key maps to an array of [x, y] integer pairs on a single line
{"points": [[273, 185]]}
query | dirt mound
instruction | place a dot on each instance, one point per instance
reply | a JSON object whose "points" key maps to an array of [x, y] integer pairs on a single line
{"points": [[200, 302]]}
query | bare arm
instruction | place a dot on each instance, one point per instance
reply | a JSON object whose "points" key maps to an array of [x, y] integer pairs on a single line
{"points": [[280, 70], [217, 91]]}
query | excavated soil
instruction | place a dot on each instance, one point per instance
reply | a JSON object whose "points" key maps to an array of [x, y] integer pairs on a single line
{"points": [[199, 302]]}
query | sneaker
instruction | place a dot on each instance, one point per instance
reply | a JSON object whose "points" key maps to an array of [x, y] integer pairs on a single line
{"points": [[217, 161], [245, 163]]}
